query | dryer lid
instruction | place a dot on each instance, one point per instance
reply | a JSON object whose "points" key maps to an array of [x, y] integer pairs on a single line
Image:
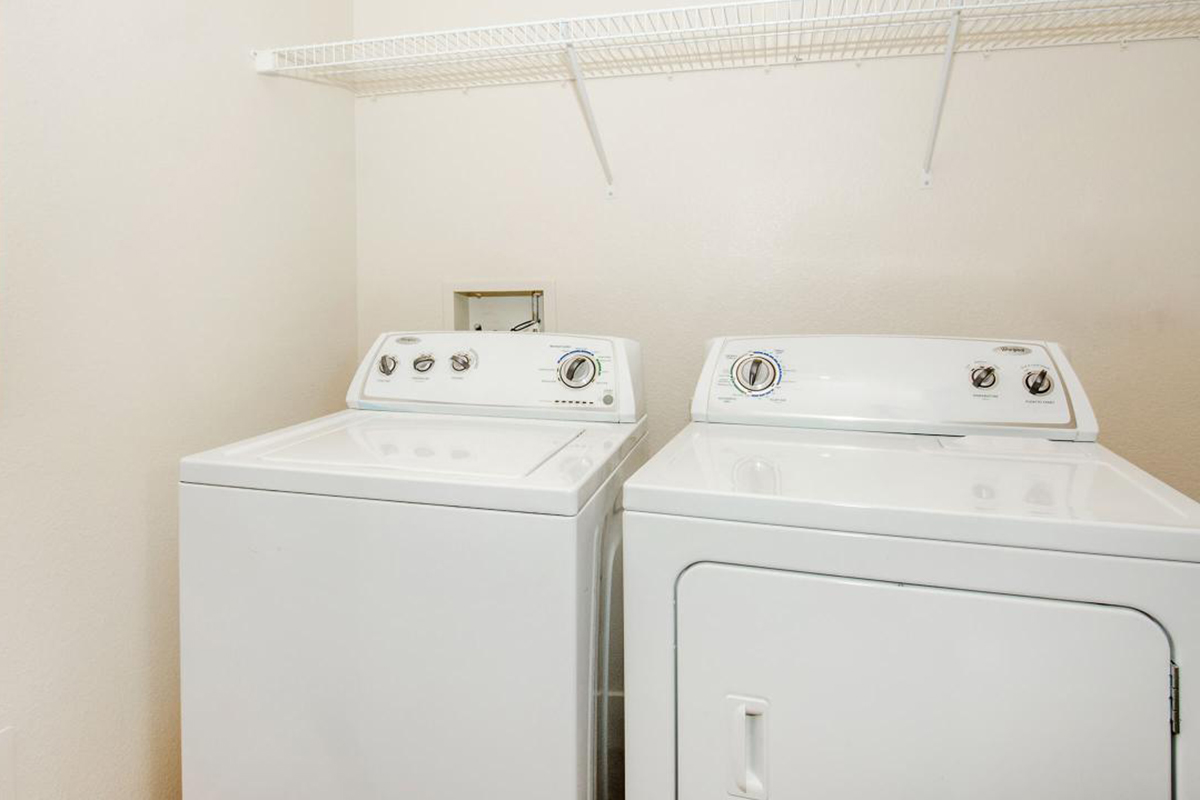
{"points": [[543, 466], [1075, 497]]}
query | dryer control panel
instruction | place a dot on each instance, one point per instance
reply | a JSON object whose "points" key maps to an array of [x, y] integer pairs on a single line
{"points": [[895, 384], [535, 375]]}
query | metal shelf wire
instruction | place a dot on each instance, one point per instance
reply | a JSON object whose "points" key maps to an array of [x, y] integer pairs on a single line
{"points": [[732, 35]]}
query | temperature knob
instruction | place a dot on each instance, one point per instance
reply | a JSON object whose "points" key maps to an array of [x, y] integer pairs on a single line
{"points": [[983, 377], [1038, 382], [423, 363], [578, 371], [754, 373], [460, 362], [387, 364]]}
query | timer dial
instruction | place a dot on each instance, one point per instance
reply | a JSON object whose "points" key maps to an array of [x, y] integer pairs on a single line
{"points": [[1038, 382], [754, 373], [460, 362], [983, 377], [577, 371]]}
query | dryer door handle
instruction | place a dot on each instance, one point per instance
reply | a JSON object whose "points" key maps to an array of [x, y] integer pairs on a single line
{"points": [[747, 747]]}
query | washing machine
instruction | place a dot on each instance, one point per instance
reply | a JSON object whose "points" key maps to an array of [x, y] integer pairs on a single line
{"points": [[877, 567], [408, 598]]}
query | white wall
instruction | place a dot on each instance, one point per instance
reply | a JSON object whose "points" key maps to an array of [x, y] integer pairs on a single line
{"points": [[1065, 207], [176, 271]]}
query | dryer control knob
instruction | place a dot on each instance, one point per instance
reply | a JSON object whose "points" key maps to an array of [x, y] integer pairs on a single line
{"points": [[1038, 382], [578, 371], [755, 373], [460, 362], [983, 377], [387, 364], [423, 363]]}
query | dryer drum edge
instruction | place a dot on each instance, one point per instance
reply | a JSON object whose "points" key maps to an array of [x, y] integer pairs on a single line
{"points": [[899, 567], [411, 597]]}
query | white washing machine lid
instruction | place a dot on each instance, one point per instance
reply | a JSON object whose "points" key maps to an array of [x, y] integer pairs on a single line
{"points": [[538, 466], [1034, 493]]}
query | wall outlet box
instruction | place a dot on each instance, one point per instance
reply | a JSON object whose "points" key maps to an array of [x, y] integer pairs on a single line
{"points": [[499, 306], [8, 764]]}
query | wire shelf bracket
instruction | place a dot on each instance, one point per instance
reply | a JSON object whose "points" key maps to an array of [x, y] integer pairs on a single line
{"points": [[751, 33], [585, 105], [940, 106]]}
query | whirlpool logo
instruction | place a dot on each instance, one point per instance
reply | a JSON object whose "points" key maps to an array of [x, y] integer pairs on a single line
{"points": [[1013, 350]]}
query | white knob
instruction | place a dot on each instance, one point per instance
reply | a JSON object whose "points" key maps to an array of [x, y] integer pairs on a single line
{"points": [[387, 364], [1038, 382], [460, 362], [983, 377], [754, 373], [578, 371], [423, 363]]}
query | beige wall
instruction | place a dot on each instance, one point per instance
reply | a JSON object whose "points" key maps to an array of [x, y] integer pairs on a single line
{"points": [[176, 270], [1065, 207], [177, 248]]}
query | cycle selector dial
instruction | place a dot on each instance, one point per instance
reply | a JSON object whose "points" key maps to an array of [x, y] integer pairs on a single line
{"points": [[754, 373], [577, 371], [387, 364], [423, 363], [1038, 382], [983, 377], [460, 362]]}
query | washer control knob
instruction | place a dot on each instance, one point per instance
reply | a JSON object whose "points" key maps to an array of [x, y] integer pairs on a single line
{"points": [[1038, 382], [577, 371], [387, 364], [460, 362], [755, 373], [423, 363], [983, 377]]}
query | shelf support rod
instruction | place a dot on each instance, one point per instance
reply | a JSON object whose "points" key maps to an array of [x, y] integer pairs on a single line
{"points": [[943, 88], [585, 105]]}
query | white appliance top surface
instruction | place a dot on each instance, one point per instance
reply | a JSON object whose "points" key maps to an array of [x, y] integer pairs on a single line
{"points": [[539, 466], [1022, 492], [465, 446]]}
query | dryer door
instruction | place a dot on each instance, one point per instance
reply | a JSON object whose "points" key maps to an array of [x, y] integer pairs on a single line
{"points": [[798, 686]]}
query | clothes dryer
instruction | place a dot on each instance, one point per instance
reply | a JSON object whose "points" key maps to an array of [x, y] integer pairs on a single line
{"points": [[879, 567]]}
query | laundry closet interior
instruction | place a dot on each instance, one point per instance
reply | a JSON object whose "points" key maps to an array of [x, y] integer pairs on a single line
{"points": [[214, 215]]}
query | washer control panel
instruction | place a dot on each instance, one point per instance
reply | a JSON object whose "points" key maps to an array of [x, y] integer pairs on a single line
{"points": [[895, 384], [537, 375]]}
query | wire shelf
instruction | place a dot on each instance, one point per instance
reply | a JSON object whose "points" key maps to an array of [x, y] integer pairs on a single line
{"points": [[733, 35]]}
